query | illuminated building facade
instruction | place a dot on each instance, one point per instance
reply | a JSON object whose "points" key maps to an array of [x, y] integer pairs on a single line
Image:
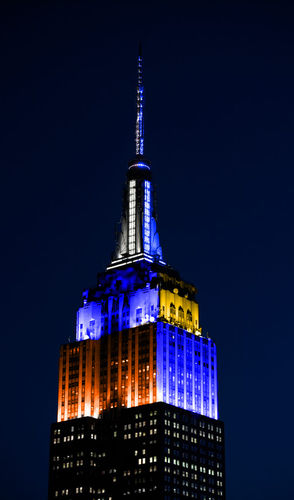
{"points": [[139, 350]]}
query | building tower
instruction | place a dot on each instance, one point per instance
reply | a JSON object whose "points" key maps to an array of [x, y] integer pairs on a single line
{"points": [[137, 395]]}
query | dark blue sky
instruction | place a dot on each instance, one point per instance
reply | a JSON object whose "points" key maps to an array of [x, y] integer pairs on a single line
{"points": [[219, 127]]}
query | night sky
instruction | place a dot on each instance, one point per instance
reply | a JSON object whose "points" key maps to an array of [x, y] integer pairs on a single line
{"points": [[219, 125]]}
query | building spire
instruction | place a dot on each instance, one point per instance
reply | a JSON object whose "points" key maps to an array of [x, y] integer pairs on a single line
{"points": [[140, 104]]}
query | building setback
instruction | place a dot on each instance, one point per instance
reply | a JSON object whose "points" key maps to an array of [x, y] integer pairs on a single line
{"points": [[137, 395]]}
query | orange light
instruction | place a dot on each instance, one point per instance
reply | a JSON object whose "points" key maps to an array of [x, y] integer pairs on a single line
{"points": [[123, 365]]}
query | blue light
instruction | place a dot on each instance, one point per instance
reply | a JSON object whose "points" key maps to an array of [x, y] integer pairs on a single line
{"points": [[140, 105], [132, 292], [186, 370], [186, 364], [109, 313]]}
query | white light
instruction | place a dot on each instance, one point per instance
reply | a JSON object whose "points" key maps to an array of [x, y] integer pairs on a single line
{"points": [[146, 223], [132, 217]]}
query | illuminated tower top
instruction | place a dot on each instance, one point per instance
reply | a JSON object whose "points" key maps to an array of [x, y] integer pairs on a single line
{"points": [[138, 337], [138, 238]]}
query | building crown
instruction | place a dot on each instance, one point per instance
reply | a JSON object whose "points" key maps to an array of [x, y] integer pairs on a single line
{"points": [[138, 238]]}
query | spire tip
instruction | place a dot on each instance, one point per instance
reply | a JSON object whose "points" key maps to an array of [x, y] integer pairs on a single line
{"points": [[140, 104]]}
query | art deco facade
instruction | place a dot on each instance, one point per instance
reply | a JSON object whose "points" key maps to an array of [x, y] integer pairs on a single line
{"points": [[139, 353]]}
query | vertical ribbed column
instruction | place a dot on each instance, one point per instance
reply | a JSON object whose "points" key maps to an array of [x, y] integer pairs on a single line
{"points": [[60, 410], [209, 378], [136, 365], [151, 341], [193, 374], [215, 385], [119, 368], [66, 382], [167, 365], [185, 372], [80, 379], [97, 379], [139, 235], [108, 370], [201, 376], [132, 218], [88, 378], [176, 367], [129, 368]]}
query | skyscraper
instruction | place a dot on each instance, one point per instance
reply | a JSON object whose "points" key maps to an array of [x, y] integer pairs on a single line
{"points": [[137, 396]]}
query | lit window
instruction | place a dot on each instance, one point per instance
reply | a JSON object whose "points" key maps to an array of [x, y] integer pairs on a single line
{"points": [[132, 217]]}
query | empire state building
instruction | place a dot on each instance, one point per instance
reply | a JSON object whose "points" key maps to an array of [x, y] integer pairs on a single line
{"points": [[137, 396]]}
